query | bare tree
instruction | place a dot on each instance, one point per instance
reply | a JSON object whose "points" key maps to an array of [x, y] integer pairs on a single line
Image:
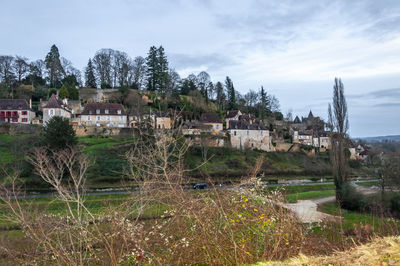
{"points": [[339, 125], [103, 65], [6, 69], [21, 67], [139, 72]]}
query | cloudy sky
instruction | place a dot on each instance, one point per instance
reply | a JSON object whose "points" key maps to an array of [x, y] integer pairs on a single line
{"points": [[294, 49]]}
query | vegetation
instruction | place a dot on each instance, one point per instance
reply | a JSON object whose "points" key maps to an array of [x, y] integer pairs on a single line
{"points": [[58, 133]]}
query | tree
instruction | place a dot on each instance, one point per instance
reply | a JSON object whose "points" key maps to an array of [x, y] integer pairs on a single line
{"points": [[63, 92], [138, 72], [231, 93], [152, 65], [162, 70], [35, 76], [102, 62], [21, 67], [59, 134], [90, 79], [264, 104], [219, 90], [6, 70], [339, 125], [54, 67], [203, 79]]}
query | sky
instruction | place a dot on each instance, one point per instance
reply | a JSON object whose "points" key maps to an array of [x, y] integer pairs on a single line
{"points": [[293, 48]]}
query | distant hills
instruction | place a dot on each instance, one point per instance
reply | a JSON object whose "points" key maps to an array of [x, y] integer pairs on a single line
{"points": [[392, 138]]}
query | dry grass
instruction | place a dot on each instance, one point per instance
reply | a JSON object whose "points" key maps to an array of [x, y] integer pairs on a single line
{"points": [[380, 251]]}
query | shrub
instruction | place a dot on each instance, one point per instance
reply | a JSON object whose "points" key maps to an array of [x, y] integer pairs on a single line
{"points": [[395, 204], [352, 200]]}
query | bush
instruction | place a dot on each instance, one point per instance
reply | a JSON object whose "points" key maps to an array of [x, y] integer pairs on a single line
{"points": [[395, 203], [352, 200]]}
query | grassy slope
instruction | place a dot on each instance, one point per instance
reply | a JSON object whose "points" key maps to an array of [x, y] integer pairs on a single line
{"points": [[222, 163]]}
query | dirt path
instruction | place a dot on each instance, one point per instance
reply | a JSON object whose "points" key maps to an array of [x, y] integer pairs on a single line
{"points": [[306, 210]]}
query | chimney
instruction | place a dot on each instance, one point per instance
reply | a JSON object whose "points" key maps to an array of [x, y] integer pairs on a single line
{"points": [[30, 103]]}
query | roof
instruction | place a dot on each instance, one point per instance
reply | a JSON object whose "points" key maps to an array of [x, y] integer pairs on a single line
{"points": [[91, 109], [310, 115], [297, 120], [243, 124], [14, 104], [210, 118], [54, 102], [232, 113], [247, 117]]}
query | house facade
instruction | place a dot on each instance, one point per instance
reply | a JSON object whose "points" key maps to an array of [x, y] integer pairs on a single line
{"points": [[245, 135], [16, 111], [212, 120], [104, 114], [56, 107]]}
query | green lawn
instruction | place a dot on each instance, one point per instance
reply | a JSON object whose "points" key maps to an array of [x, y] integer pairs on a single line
{"points": [[293, 198]]}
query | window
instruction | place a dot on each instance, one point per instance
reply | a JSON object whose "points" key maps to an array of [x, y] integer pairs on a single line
{"points": [[25, 120], [262, 132], [234, 133], [248, 133], [119, 112], [51, 112], [14, 119], [89, 118], [15, 113], [2, 113], [121, 118], [106, 111], [90, 112], [19, 106], [216, 126], [98, 118], [98, 111], [24, 112], [108, 118]]}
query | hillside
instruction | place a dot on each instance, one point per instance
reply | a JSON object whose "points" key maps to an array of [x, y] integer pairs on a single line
{"points": [[221, 164]]}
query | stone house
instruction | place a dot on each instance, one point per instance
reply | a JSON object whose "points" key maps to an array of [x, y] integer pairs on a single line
{"points": [[104, 114], [16, 111], [305, 137], [245, 135], [211, 119], [161, 120], [56, 107], [232, 115]]}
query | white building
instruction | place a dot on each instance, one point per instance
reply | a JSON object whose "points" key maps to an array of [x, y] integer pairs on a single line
{"points": [[104, 114], [56, 107]]}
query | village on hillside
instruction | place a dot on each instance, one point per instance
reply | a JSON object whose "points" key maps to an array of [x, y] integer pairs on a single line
{"points": [[96, 113]]}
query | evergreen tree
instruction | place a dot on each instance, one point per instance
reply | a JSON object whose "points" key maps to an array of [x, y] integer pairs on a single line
{"points": [[63, 92], [59, 134], [90, 79], [162, 70], [152, 66], [264, 103], [54, 68], [231, 93]]}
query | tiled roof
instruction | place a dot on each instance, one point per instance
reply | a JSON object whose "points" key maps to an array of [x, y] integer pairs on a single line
{"points": [[54, 102], [242, 124], [297, 120], [14, 104], [91, 109], [210, 118], [232, 113]]}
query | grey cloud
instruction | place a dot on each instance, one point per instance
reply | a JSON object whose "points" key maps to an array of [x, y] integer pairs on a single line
{"points": [[212, 61]]}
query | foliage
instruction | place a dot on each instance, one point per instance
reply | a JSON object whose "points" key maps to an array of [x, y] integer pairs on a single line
{"points": [[58, 133], [90, 79], [63, 92]]}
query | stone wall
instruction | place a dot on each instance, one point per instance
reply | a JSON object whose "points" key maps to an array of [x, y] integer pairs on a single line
{"points": [[81, 131], [13, 129]]}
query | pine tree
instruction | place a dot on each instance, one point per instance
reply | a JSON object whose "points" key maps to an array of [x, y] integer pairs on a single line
{"points": [[231, 93], [54, 68], [264, 103], [152, 66], [162, 70], [90, 79], [63, 92]]}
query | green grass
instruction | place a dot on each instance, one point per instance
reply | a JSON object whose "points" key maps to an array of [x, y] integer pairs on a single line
{"points": [[352, 218], [293, 198]]}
